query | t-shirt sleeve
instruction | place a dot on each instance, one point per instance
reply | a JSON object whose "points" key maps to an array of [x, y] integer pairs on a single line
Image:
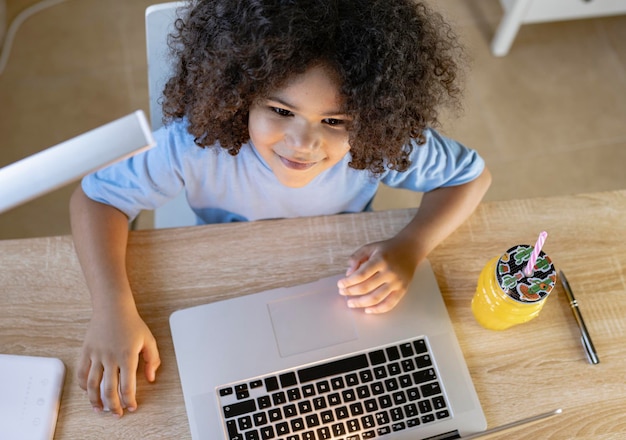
{"points": [[440, 162], [144, 181]]}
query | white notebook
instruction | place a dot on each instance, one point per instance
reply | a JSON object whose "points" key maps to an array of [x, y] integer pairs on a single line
{"points": [[30, 396]]}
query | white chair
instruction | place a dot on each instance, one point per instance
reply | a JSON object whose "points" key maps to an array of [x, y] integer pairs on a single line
{"points": [[159, 23], [68, 161], [518, 12]]}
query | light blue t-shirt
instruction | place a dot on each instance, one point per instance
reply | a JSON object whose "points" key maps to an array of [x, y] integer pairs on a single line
{"points": [[224, 188]]}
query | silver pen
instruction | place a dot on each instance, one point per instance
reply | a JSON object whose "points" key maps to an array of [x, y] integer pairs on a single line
{"points": [[592, 356], [513, 425]]}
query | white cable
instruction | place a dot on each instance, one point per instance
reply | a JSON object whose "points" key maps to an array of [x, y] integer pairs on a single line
{"points": [[16, 23]]}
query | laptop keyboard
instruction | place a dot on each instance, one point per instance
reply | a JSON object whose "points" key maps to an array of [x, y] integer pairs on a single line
{"points": [[357, 397]]}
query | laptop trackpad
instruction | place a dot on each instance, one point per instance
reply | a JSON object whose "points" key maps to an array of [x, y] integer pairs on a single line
{"points": [[311, 321]]}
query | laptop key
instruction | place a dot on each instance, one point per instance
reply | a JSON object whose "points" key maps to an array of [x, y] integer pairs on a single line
{"points": [[288, 379], [406, 349], [413, 422], [439, 402], [428, 418], [239, 408], [297, 424], [423, 361], [253, 435], [267, 433], [264, 402], [424, 376], [233, 433], [312, 421], [352, 379], [279, 398], [323, 386], [275, 414], [260, 419], [411, 410], [308, 390], [290, 410], [442, 414], [420, 346], [294, 394], [393, 353], [368, 421], [319, 403], [377, 357], [271, 384], [398, 426], [324, 433], [424, 406], [338, 429], [430, 389], [333, 368], [366, 376], [226, 391], [282, 428], [256, 384], [244, 423]]}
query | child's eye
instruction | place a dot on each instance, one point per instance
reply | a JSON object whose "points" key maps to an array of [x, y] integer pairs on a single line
{"points": [[280, 111], [333, 122]]}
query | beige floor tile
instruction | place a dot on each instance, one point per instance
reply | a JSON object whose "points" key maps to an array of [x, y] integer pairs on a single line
{"points": [[68, 38], [615, 29], [469, 12], [560, 88], [49, 110], [46, 216], [597, 168]]}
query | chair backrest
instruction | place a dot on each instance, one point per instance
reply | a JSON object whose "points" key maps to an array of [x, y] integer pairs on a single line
{"points": [[159, 24], [68, 161]]}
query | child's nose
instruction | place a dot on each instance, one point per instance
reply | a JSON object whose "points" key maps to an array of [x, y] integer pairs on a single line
{"points": [[305, 137]]}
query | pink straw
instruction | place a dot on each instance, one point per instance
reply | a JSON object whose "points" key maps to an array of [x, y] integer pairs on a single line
{"points": [[528, 271]]}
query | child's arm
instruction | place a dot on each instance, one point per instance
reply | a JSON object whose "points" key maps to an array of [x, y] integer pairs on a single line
{"points": [[379, 273], [116, 334]]}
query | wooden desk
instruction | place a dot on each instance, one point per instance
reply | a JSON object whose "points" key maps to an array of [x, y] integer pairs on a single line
{"points": [[527, 370]]}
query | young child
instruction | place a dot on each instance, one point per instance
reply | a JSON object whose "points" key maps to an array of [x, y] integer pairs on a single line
{"points": [[282, 108]]}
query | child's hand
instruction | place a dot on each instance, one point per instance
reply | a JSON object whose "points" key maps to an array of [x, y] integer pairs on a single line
{"points": [[378, 275], [107, 367]]}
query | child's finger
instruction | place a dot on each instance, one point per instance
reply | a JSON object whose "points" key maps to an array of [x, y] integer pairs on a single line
{"points": [[110, 391], [128, 384], [82, 370], [387, 304], [357, 259], [369, 297], [363, 283], [94, 379], [152, 360]]}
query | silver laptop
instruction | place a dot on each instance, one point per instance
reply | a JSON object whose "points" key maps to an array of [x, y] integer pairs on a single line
{"points": [[296, 363]]}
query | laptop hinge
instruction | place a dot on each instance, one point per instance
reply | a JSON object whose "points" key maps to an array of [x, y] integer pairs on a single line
{"points": [[445, 436]]}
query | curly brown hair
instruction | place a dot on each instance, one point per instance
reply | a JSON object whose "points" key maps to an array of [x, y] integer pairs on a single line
{"points": [[397, 60]]}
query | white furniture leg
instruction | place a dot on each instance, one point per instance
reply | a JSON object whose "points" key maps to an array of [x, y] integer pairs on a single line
{"points": [[509, 25]]}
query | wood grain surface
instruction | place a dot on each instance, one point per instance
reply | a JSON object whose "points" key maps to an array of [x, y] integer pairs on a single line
{"points": [[526, 370]]}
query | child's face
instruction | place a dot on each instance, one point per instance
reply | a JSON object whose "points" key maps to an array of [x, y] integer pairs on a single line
{"points": [[298, 130]]}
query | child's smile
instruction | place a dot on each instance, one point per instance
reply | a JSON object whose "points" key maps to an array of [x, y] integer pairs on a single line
{"points": [[300, 130]]}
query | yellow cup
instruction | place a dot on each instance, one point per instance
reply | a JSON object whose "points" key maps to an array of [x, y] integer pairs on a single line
{"points": [[505, 296]]}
